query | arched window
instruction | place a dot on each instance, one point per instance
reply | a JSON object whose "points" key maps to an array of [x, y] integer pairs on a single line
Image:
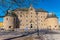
{"points": [[9, 26], [31, 26], [31, 9], [31, 12], [55, 26], [26, 20], [20, 15], [6, 18], [31, 21], [31, 16]]}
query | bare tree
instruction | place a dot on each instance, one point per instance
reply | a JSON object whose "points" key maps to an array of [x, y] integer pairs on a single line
{"points": [[11, 4]]}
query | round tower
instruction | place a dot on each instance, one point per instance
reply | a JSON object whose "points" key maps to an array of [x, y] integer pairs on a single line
{"points": [[9, 21], [52, 22]]}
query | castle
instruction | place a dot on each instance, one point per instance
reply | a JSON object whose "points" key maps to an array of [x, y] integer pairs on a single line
{"points": [[30, 18]]}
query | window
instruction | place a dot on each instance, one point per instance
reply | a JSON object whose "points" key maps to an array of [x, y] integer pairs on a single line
{"points": [[26, 20], [26, 16], [35, 20], [31, 12], [31, 21], [35, 24], [55, 26], [20, 12], [31, 16], [20, 15], [9, 26], [6, 18], [31, 9], [44, 16], [44, 24], [41, 24], [36, 16], [14, 18], [31, 26], [26, 24], [23, 24], [41, 16], [41, 20]]}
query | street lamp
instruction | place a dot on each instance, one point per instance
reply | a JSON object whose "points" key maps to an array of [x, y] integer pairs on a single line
{"points": [[37, 25]]}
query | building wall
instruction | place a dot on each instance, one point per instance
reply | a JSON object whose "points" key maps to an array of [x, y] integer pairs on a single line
{"points": [[41, 19], [22, 18], [27, 18], [52, 23], [37, 19], [8, 22], [32, 23], [31, 19]]}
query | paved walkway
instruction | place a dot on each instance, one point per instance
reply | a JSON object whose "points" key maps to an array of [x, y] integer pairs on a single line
{"points": [[14, 35]]}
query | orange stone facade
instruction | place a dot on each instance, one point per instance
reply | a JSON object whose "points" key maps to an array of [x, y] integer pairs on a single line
{"points": [[32, 19]]}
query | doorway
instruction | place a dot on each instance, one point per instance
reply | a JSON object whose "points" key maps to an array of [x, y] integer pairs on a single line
{"points": [[31, 26], [9, 26]]}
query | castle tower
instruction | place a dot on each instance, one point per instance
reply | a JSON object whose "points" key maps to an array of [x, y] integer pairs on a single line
{"points": [[9, 21], [32, 17], [41, 16], [52, 21]]}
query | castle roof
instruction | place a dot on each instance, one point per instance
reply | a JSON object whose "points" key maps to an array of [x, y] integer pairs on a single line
{"points": [[52, 15], [10, 13], [21, 9], [31, 7], [26, 9], [41, 10]]}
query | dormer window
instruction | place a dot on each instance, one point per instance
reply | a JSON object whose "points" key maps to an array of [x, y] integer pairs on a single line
{"points": [[6, 18], [20, 15]]}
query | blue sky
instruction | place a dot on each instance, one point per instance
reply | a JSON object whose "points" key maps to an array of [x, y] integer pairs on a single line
{"points": [[48, 5]]}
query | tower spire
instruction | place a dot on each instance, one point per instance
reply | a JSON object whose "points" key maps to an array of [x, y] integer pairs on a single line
{"points": [[31, 6]]}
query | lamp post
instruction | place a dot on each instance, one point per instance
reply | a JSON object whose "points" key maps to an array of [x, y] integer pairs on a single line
{"points": [[37, 26]]}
